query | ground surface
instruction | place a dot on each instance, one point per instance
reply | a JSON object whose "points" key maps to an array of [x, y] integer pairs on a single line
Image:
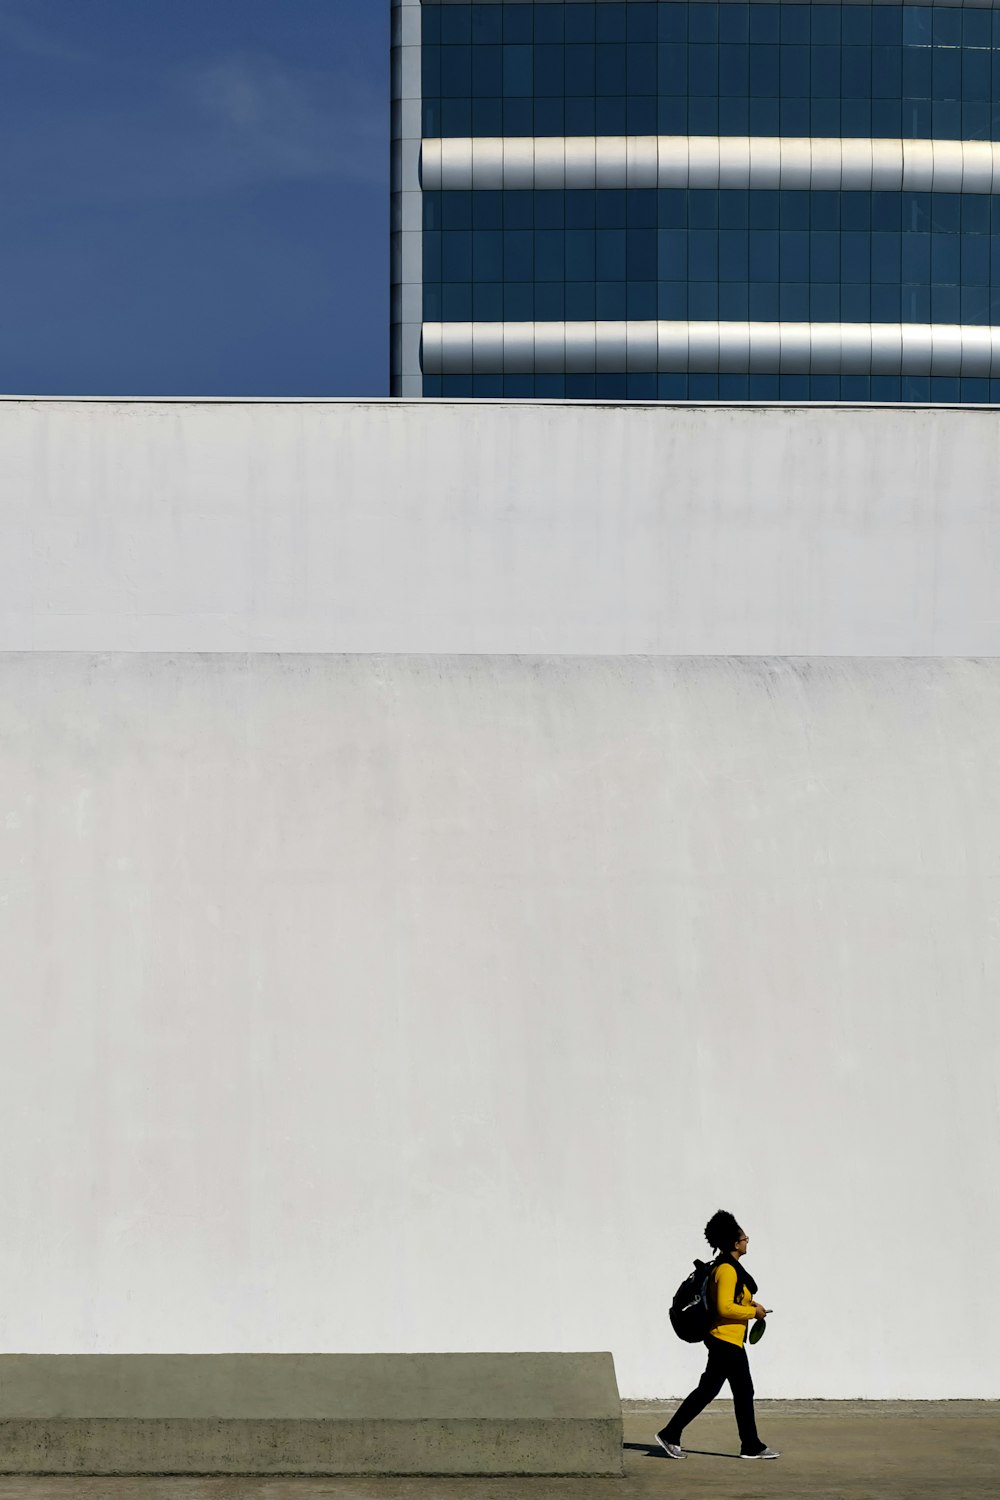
{"points": [[831, 1450]]}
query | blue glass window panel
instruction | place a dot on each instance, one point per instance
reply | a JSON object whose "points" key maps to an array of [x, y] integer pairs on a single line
{"points": [[703, 70], [824, 388], [456, 72], [995, 261], [517, 23], [856, 71], [672, 68], [703, 255], [916, 119], [887, 73], [580, 63], [456, 210], [456, 117], [855, 304], [703, 23], [487, 22], [640, 23], [764, 116], [703, 116], [487, 387], [579, 23], [581, 210], [793, 387], [671, 387], [640, 114], [855, 257], [886, 304], [671, 208], [734, 22], [824, 67], [824, 116], [642, 387], [794, 116], [456, 301], [762, 387], [916, 257], [671, 116], [487, 209], [703, 208], [487, 301], [885, 387], [975, 262], [432, 385], [430, 117], [734, 301], [794, 23], [995, 390], [733, 387], [550, 387], [975, 213], [794, 251], [975, 304], [550, 210], [886, 117], [915, 388], [855, 211], [487, 117], [734, 252], [456, 24], [917, 74], [975, 28], [734, 70], [764, 23], [994, 303], [518, 246], [856, 117], [549, 255], [915, 303], [549, 23], [886, 210], [640, 69], [610, 70], [640, 209], [432, 255], [610, 24], [580, 300], [887, 25], [946, 259], [609, 298], [611, 387], [946, 120], [640, 257], [610, 244], [793, 301], [764, 209], [581, 116], [641, 299], [765, 300], [975, 390], [581, 387], [432, 210], [856, 29], [518, 72], [886, 256], [487, 71], [917, 26], [793, 209], [430, 69], [487, 254], [824, 302], [610, 115], [794, 71], [519, 210], [518, 301], [456, 255], [430, 25], [519, 387], [824, 210], [456, 385], [975, 76], [947, 28], [764, 255], [432, 301], [550, 301], [976, 122], [945, 388], [549, 72], [703, 386], [671, 23], [734, 211], [611, 211], [764, 69], [672, 300], [671, 254], [703, 300]]}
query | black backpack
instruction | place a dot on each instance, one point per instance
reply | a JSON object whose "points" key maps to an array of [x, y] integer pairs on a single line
{"points": [[692, 1312]]}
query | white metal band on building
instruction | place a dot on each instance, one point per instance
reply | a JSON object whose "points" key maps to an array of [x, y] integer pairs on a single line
{"points": [[737, 348], [710, 161]]}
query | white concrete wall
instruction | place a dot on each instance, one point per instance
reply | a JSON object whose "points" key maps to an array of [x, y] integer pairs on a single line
{"points": [[361, 1003], [357, 527]]}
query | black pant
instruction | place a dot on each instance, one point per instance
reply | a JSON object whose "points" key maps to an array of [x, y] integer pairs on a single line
{"points": [[725, 1362]]}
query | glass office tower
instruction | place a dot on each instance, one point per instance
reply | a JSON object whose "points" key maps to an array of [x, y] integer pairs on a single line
{"points": [[675, 199]]}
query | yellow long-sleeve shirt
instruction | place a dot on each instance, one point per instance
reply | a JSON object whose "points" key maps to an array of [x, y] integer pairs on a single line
{"points": [[731, 1317]]}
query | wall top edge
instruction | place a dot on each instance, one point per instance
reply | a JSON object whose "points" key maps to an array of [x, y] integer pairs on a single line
{"points": [[929, 4], [420, 402]]}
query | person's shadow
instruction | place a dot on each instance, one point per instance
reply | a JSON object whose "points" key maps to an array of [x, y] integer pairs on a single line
{"points": [[653, 1450]]}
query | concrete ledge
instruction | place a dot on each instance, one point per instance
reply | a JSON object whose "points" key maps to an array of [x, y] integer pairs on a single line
{"points": [[309, 1414]]}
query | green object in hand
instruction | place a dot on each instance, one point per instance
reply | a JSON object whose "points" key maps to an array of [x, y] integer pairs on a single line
{"points": [[757, 1331]]}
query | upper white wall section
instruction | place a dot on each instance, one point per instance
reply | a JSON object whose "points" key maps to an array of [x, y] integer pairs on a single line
{"points": [[438, 527]]}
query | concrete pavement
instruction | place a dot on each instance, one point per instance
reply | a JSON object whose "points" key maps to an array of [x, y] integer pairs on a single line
{"points": [[831, 1450]]}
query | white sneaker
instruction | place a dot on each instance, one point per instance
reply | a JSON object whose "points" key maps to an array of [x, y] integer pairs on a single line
{"points": [[672, 1450], [766, 1453]]}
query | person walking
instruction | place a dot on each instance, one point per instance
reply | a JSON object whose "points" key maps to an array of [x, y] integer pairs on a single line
{"points": [[732, 1307]]}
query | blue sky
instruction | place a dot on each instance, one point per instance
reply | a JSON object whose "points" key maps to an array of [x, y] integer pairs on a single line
{"points": [[194, 197]]}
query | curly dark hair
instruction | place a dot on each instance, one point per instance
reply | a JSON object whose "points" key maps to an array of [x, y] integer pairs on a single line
{"points": [[722, 1231]]}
